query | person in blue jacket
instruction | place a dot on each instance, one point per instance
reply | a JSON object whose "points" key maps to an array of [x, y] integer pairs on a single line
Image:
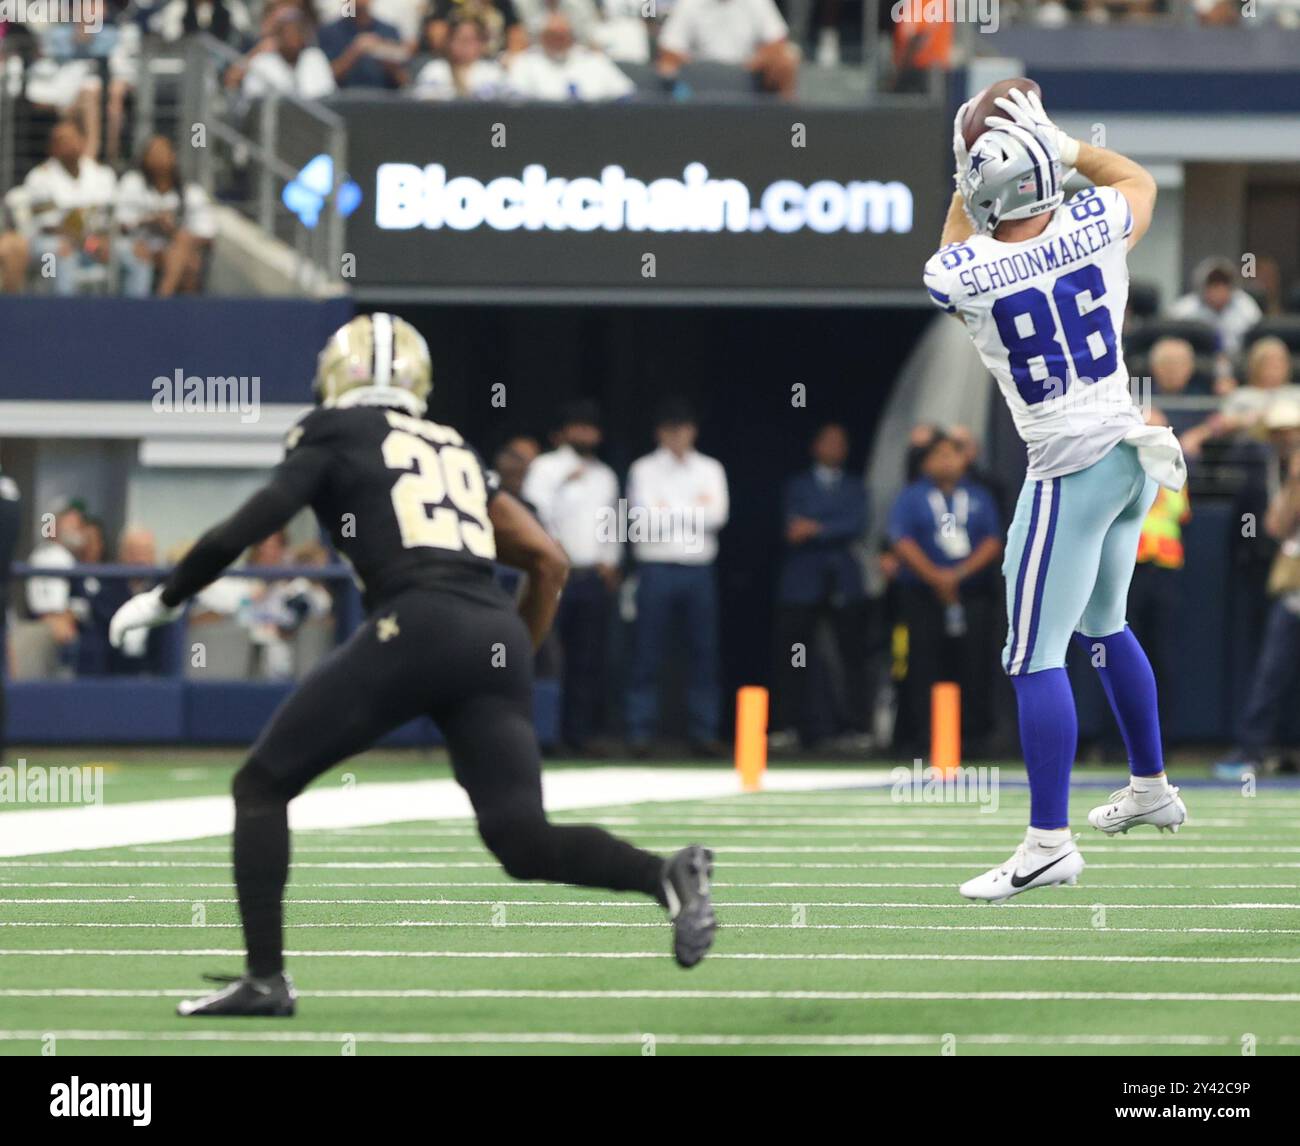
{"points": [[825, 514]]}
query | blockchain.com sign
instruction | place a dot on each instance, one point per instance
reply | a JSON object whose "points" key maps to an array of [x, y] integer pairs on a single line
{"points": [[630, 197]]}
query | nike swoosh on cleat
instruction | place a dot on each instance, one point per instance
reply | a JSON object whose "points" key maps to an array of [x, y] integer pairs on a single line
{"points": [[1021, 880], [1138, 815]]}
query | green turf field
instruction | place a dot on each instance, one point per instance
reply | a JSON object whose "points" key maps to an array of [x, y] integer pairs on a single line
{"points": [[840, 933]]}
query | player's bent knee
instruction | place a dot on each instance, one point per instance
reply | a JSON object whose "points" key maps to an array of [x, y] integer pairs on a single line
{"points": [[256, 790], [521, 846]]}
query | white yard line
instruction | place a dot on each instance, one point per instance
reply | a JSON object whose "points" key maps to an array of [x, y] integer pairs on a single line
{"points": [[463, 865], [574, 1038], [876, 905], [761, 956], [721, 996], [46, 830], [512, 886]]}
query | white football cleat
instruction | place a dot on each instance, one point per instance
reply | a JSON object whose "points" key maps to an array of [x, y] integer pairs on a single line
{"points": [[1126, 809], [1030, 867]]}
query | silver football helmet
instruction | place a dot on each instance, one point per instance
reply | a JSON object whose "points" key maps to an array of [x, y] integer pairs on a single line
{"points": [[1013, 173]]}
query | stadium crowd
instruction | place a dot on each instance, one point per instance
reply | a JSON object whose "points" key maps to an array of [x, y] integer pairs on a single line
{"points": [[72, 613]]}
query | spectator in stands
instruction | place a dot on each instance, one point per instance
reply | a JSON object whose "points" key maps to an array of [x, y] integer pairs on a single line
{"points": [[946, 533], [505, 33], [1268, 380], [67, 75], [1273, 684], [164, 226], [1172, 363], [49, 598], [290, 64], [274, 610], [558, 68], [922, 44], [1219, 302], [365, 52], [512, 462], [96, 599], [622, 31], [582, 16], [746, 33], [821, 579], [677, 504], [576, 498], [69, 197], [225, 20], [465, 73], [10, 516]]}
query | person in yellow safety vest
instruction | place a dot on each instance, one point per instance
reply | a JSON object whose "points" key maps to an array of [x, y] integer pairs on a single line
{"points": [[1155, 595], [1161, 541]]}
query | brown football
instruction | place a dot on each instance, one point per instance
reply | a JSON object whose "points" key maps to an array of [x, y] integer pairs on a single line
{"points": [[982, 106]]}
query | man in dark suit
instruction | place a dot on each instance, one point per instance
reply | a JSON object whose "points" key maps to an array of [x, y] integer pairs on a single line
{"points": [[825, 513]]}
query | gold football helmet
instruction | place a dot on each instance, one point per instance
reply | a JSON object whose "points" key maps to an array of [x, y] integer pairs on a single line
{"points": [[375, 360]]}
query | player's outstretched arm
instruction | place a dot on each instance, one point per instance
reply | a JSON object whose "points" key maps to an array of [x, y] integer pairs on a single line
{"points": [[957, 227], [268, 510], [1130, 179], [524, 544]]}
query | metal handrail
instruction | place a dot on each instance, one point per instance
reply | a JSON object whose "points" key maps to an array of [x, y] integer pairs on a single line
{"points": [[207, 61]]}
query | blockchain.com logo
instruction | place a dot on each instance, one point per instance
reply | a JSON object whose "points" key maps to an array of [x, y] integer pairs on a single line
{"points": [[308, 192], [408, 196]]}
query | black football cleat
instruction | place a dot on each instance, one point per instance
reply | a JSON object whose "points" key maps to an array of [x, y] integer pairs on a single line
{"points": [[690, 909], [271, 997]]}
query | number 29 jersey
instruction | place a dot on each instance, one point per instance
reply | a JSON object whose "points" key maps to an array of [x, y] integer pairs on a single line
{"points": [[403, 499], [1045, 315]]}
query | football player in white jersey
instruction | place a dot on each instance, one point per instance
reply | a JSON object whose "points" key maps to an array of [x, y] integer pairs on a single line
{"points": [[1041, 284]]}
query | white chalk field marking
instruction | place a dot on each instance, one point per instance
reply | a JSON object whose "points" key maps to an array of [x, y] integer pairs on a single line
{"points": [[505, 884], [881, 905], [660, 956], [573, 1038], [45, 830], [462, 865], [705, 995]]}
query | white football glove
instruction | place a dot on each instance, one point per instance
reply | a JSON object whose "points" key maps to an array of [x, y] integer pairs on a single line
{"points": [[1025, 109], [143, 611], [960, 152]]}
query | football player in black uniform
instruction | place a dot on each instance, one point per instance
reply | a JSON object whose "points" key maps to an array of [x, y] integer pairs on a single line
{"points": [[412, 508]]}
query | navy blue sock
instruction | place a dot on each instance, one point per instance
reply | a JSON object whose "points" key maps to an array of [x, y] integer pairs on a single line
{"points": [[1130, 686], [1049, 735]]}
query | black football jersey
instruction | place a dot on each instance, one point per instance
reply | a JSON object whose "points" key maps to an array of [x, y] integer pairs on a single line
{"points": [[403, 499]]}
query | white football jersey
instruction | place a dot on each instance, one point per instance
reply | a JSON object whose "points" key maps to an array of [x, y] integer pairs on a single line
{"points": [[1046, 315]]}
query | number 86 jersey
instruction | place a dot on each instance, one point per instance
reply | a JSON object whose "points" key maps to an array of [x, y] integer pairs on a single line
{"points": [[1045, 315]]}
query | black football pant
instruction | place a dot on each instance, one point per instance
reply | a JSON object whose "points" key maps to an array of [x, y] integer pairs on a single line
{"points": [[467, 664]]}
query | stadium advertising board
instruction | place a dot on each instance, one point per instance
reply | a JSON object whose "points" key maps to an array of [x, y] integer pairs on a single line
{"points": [[627, 197]]}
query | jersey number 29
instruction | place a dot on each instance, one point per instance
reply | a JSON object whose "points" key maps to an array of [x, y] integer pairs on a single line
{"points": [[434, 476]]}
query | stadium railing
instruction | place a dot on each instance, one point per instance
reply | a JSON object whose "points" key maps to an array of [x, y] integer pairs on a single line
{"points": [[181, 705]]}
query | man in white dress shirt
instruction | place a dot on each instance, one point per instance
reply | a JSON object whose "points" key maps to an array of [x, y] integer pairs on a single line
{"points": [[677, 503], [557, 67], [576, 498]]}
